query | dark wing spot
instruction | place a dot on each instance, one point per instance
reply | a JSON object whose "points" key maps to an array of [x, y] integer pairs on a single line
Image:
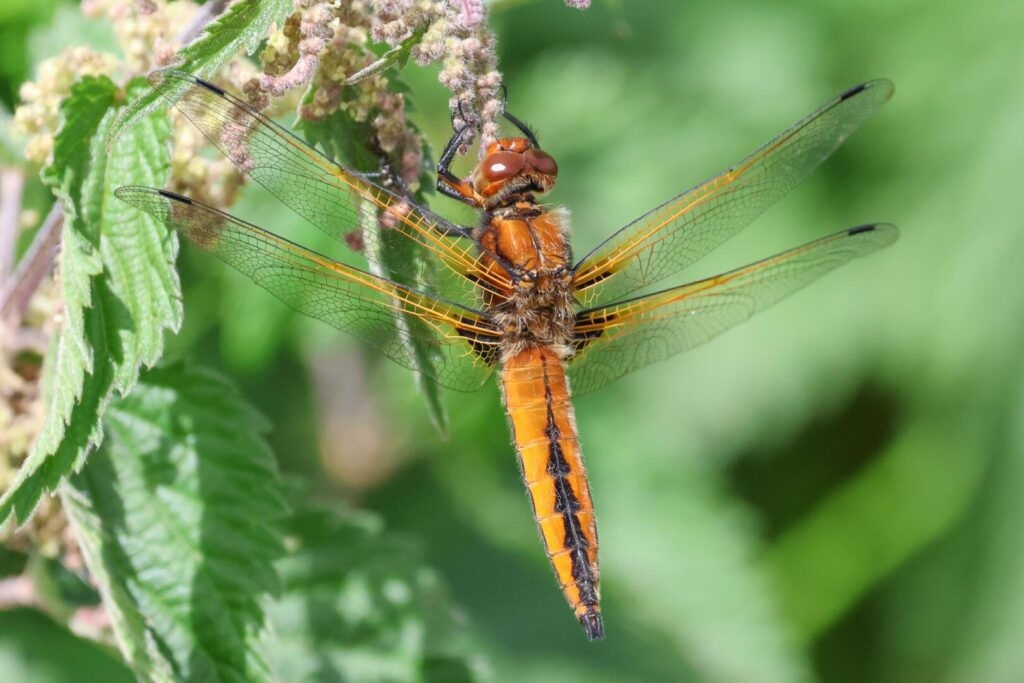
{"points": [[211, 87], [600, 277], [581, 339], [175, 196], [853, 91], [479, 282], [861, 229], [485, 346]]}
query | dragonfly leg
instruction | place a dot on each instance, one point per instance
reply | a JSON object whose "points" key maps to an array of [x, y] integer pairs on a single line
{"points": [[447, 183], [516, 121]]}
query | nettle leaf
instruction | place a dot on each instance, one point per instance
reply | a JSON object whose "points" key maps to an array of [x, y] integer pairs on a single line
{"points": [[357, 605], [242, 27], [35, 648], [118, 284], [178, 515], [344, 139]]}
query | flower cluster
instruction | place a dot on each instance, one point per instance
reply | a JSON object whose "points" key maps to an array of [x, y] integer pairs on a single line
{"points": [[38, 116], [454, 34], [466, 49], [325, 43], [328, 44], [145, 29], [21, 417]]}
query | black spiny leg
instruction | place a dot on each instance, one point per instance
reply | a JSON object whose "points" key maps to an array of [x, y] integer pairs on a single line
{"points": [[447, 183], [515, 121]]}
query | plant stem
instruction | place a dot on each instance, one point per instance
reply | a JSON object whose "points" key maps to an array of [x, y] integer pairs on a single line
{"points": [[18, 290], [12, 181]]}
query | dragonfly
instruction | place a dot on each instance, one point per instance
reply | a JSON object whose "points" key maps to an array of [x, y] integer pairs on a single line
{"points": [[506, 296]]}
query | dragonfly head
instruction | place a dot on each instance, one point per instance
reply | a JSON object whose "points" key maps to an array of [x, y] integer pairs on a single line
{"points": [[513, 166]]}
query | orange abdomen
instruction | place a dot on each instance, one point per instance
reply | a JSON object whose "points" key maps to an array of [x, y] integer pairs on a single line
{"points": [[536, 394]]}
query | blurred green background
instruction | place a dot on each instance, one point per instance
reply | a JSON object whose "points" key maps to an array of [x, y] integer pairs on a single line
{"points": [[832, 491]]}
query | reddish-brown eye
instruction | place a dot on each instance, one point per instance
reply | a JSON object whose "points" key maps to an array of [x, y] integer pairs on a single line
{"points": [[542, 161], [501, 165]]}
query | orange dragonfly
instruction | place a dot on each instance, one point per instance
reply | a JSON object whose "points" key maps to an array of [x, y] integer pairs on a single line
{"points": [[507, 295]]}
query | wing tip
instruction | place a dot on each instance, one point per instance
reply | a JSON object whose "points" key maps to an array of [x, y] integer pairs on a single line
{"points": [[161, 77], [125, 191], [861, 229], [133, 193], [853, 91], [883, 234], [883, 86]]}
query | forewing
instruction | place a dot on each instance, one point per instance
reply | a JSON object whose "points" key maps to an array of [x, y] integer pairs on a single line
{"points": [[684, 229], [461, 345], [615, 339], [340, 202]]}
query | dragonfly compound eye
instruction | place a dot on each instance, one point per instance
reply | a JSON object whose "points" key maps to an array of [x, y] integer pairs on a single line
{"points": [[542, 161], [502, 165]]}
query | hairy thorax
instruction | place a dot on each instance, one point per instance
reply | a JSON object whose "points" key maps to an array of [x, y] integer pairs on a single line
{"points": [[533, 243]]}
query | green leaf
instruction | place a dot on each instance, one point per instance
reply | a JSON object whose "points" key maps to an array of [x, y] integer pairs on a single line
{"points": [[242, 27], [858, 536], [358, 605], [177, 514], [35, 649], [118, 284], [344, 139]]}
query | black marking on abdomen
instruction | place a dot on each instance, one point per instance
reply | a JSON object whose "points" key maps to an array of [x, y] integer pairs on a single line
{"points": [[568, 505], [558, 466]]}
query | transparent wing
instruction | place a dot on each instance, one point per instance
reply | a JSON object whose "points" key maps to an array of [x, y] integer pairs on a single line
{"points": [[684, 229], [615, 339], [338, 201], [461, 345]]}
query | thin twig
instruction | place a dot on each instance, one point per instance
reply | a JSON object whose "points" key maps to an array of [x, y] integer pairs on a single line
{"points": [[203, 16], [34, 267], [12, 181]]}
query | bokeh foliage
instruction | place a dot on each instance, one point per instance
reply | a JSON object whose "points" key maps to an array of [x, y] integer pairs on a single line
{"points": [[830, 492]]}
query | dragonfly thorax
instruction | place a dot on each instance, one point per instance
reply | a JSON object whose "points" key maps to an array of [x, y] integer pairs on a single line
{"points": [[532, 245]]}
